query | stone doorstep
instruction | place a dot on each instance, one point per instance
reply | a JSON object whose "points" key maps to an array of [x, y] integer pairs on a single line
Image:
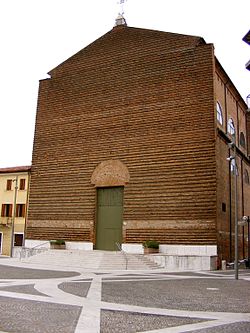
{"points": [[115, 258], [91, 259]]}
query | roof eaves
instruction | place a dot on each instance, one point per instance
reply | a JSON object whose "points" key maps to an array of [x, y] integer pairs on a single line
{"points": [[15, 169], [228, 80]]}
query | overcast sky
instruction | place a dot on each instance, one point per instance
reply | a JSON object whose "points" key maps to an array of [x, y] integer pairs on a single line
{"points": [[38, 35]]}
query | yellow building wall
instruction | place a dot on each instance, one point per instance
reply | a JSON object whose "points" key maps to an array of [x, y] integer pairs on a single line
{"points": [[8, 197]]}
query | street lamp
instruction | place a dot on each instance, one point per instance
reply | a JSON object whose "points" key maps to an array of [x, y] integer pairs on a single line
{"points": [[13, 217], [232, 158]]}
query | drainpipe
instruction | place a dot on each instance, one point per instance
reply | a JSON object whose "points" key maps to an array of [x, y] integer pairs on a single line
{"points": [[242, 207], [230, 210], [232, 158], [236, 249]]}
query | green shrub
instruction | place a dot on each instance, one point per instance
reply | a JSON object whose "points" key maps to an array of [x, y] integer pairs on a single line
{"points": [[58, 242], [153, 244]]}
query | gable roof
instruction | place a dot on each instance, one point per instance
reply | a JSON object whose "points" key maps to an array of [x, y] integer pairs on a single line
{"points": [[130, 41]]}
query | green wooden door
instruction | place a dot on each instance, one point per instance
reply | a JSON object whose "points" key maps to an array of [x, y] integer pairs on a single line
{"points": [[109, 217]]}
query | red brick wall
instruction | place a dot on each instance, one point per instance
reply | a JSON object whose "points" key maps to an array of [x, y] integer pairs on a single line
{"points": [[145, 98], [233, 107], [248, 132]]}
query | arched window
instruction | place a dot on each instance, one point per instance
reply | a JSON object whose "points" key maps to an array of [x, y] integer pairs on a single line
{"points": [[230, 127], [219, 113], [233, 167], [246, 177], [242, 140]]}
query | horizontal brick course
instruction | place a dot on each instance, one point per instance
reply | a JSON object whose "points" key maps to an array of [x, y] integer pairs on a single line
{"points": [[145, 98]]}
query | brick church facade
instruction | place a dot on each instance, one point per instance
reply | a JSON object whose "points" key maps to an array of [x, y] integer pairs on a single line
{"points": [[131, 144]]}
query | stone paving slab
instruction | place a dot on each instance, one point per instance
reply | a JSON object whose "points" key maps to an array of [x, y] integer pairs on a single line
{"points": [[184, 273], [45, 301], [242, 327], [75, 288], [22, 316], [218, 273], [131, 322], [221, 295], [23, 289], [10, 272], [134, 278]]}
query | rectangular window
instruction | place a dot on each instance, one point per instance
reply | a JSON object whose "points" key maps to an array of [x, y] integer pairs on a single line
{"points": [[20, 210], [9, 185], [224, 207], [18, 240], [22, 184], [6, 210]]}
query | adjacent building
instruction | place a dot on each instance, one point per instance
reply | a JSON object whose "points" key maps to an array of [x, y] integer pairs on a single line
{"points": [[131, 143], [246, 39], [14, 184]]}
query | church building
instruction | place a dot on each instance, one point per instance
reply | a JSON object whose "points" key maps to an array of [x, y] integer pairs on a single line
{"points": [[132, 143]]}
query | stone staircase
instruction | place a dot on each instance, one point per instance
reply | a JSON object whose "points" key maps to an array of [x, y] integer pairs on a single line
{"points": [[90, 260]]}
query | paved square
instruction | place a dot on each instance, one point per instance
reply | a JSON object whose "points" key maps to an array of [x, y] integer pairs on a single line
{"points": [[74, 300]]}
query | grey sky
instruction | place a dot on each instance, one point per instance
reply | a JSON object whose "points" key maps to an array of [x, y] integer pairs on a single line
{"points": [[37, 35]]}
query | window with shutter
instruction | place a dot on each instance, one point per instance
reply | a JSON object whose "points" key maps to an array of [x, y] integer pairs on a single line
{"points": [[3, 210], [9, 185], [20, 210], [22, 184], [6, 210]]}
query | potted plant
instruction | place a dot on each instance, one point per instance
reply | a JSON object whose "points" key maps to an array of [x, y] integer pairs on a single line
{"points": [[151, 246], [58, 244]]}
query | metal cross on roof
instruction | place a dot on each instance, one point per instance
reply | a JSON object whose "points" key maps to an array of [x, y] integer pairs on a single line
{"points": [[121, 5]]}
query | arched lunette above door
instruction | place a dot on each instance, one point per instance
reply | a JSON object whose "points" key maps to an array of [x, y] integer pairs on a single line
{"points": [[110, 173]]}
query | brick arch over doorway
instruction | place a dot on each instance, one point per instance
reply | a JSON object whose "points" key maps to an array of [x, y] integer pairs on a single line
{"points": [[110, 173]]}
